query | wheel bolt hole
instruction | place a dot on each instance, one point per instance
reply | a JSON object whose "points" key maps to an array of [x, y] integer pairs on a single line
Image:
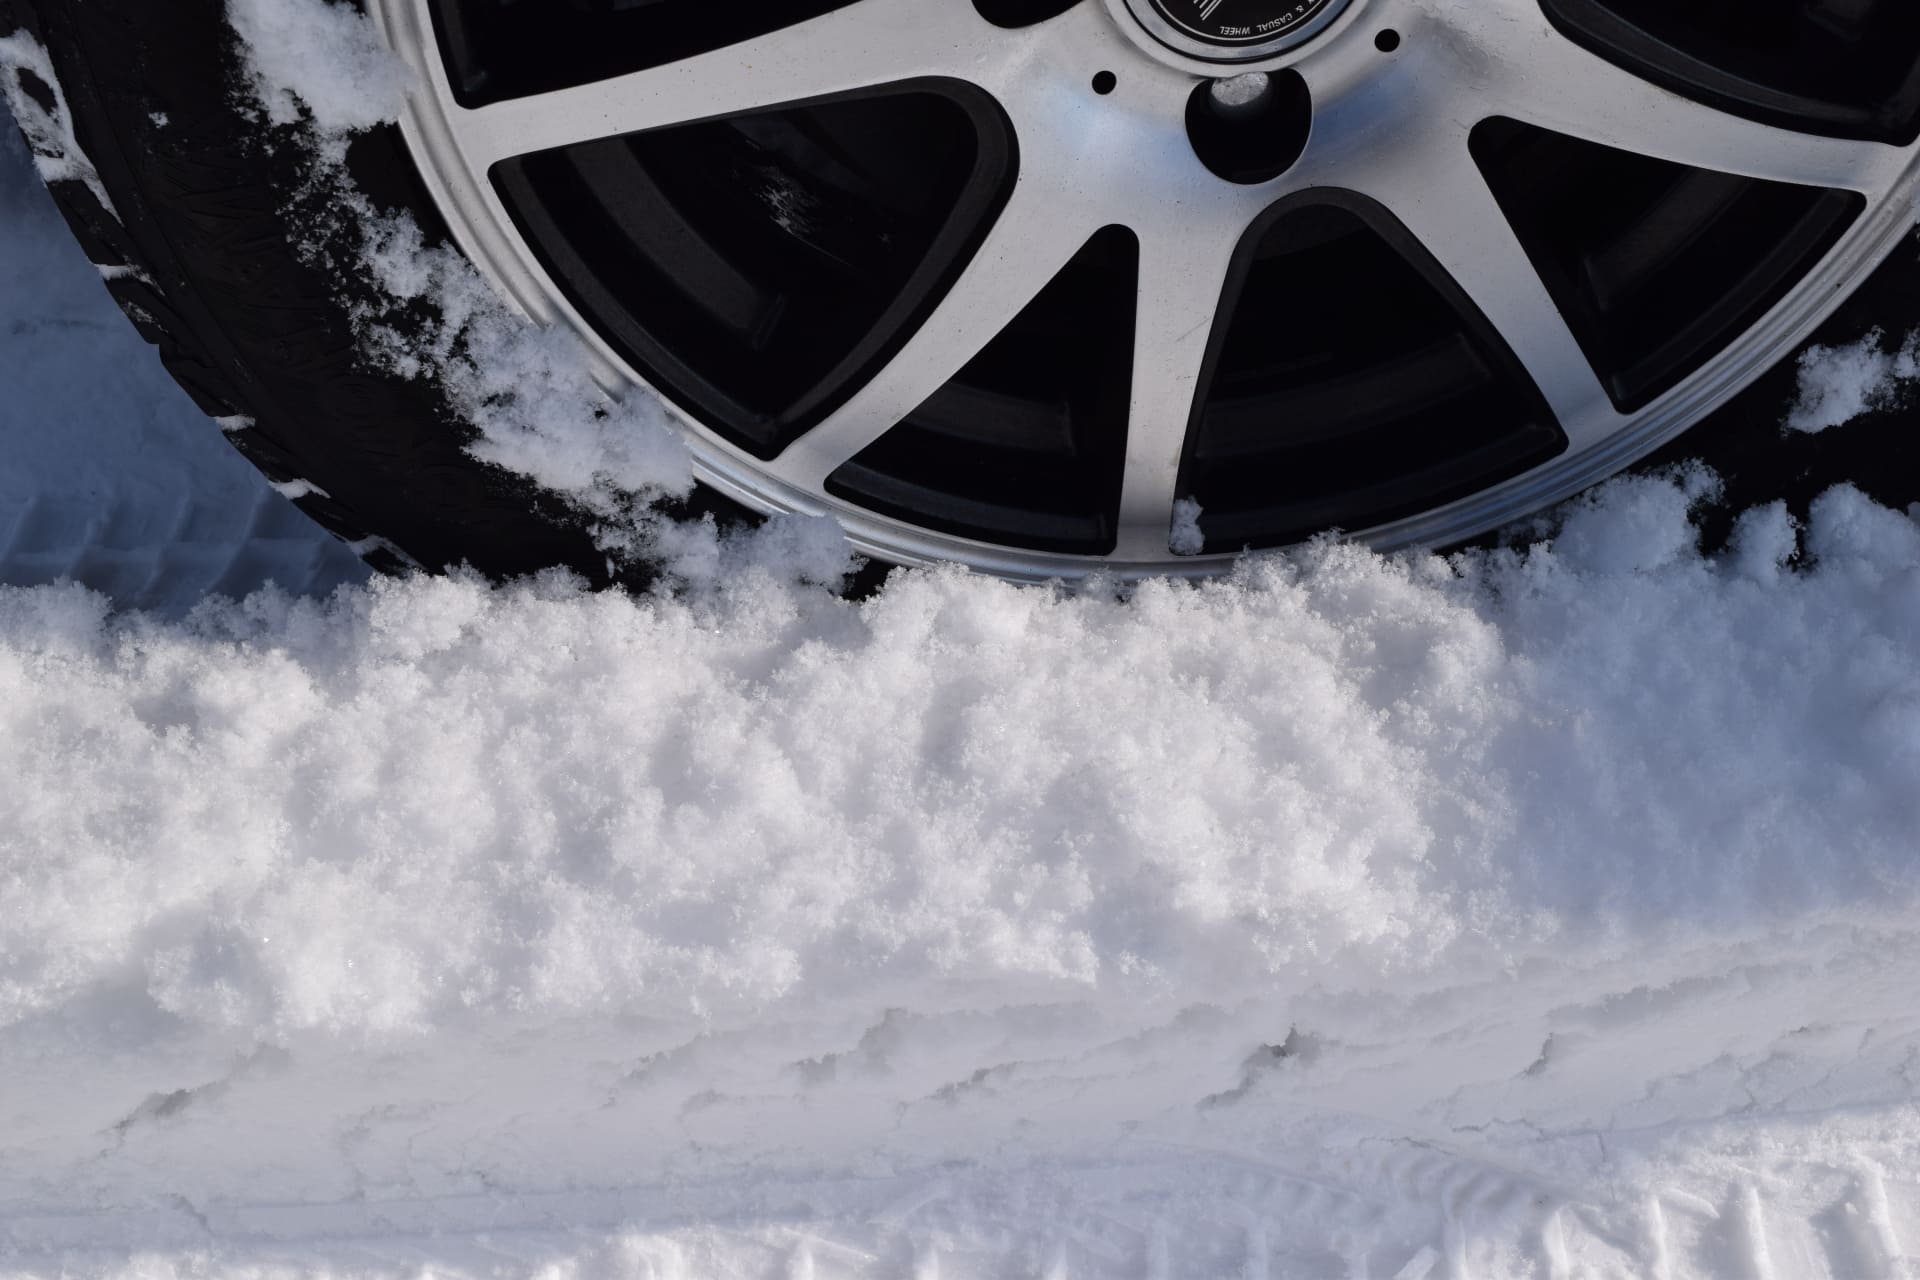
{"points": [[1105, 83], [1387, 41], [1237, 94], [1251, 128]]}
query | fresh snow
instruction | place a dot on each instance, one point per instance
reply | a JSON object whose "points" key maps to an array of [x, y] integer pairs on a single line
{"points": [[319, 56], [1839, 384], [1534, 913]]}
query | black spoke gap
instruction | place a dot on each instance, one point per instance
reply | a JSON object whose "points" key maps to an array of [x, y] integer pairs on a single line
{"points": [[759, 269], [1657, 267], [1027, 445], [1350, 383]]}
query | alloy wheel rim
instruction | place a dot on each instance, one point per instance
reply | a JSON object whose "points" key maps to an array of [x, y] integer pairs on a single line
{"points": [[1392, 127]]}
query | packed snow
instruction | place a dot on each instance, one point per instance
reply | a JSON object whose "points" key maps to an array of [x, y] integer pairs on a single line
{"points": [[1548, 911]]}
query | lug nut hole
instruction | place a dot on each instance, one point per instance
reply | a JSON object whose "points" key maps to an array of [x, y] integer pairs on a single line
{"points": [[1105, 83], [1250, 129], [1387, 41]]}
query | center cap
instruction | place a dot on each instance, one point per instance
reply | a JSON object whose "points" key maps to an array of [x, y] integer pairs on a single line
{"points": [[1236, 30]]}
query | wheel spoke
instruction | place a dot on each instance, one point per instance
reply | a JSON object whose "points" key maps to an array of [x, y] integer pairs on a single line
{"points": [[1183, 272], [867, 43], [1032, 241], [1437, 193], [1549, 80]]}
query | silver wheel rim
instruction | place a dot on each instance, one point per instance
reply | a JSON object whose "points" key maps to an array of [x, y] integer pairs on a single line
{"points": [[1393, 128]]}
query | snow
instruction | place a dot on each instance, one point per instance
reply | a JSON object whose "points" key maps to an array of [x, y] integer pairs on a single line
{"points": [[1355, 906], [1187, 537], [319, 55], [1547, 911], [537, 406], [529, 392], [1840, 384]]}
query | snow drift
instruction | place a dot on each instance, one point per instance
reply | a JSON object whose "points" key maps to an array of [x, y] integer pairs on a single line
{"points": [[430, 891]]}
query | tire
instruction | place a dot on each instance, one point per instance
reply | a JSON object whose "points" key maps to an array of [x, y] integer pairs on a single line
{"points": [[198, 231], [198, 249]]}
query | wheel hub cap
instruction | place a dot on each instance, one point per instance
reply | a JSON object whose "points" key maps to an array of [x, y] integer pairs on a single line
{"points": [[1235, 30]]}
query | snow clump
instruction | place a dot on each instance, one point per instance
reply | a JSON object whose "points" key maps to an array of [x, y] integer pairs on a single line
{"points": [[1839, 384], [323, 55]]}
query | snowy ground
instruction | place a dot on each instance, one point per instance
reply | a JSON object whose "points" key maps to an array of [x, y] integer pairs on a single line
{"points": [[1541, 914]]}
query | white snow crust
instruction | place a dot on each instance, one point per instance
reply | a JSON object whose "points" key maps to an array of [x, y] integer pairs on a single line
{"points": [[1541, 912]]}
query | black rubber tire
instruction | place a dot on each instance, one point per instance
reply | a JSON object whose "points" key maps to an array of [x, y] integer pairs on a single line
{"points": [[241, 321], [251, 328]]}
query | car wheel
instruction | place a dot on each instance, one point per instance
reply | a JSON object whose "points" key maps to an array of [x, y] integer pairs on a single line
{"points": [[1054, 288]]}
